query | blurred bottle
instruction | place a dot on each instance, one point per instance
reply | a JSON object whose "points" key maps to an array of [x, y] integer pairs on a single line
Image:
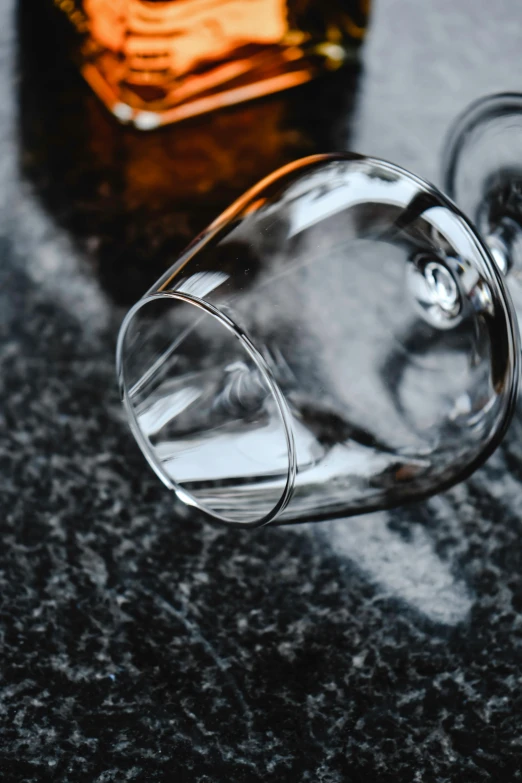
{"points": [[132, 201], [154, 62]]}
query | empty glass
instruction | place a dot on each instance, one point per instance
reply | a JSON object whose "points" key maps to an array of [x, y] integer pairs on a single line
{"points": [[340, 340], [482, 171]]}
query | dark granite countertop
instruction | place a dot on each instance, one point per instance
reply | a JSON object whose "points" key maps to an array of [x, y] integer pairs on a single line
{"points": [[140, 646]]}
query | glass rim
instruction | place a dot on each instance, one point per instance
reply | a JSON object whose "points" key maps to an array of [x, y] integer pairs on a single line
{"points": [[282, 406]]}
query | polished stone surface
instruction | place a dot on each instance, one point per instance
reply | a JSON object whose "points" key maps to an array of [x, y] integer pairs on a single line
{"points": [[138, 645]]}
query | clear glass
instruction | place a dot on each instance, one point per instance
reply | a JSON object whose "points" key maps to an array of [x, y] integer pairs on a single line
{"points": [[482, 172], [338, 341]]}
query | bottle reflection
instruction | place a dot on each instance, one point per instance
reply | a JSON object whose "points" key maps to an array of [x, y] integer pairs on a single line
{"points": [[133, 201]]}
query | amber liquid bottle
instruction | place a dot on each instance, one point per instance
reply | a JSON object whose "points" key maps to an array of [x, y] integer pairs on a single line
{"points": [[131, 201], [154, 62]]}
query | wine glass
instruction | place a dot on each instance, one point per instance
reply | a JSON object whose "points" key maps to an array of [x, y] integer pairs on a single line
{"points": [[340, 340], [482, 173]]}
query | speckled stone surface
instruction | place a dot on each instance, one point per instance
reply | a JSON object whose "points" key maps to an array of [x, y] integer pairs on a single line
{"points": [[139, 645]]}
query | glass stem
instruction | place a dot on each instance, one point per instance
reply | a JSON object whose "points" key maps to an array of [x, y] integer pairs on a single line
{"points": [[504, 243]]}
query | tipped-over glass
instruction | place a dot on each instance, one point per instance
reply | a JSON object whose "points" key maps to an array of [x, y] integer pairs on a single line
{"points": [[482, 172], [340, 340]]}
